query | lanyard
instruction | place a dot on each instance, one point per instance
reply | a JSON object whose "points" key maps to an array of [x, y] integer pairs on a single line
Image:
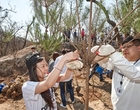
{"points": [[136, 61]]}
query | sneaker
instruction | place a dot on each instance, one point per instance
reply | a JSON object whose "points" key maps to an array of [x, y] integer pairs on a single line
{"points": [[73, 102], [63, 105]]}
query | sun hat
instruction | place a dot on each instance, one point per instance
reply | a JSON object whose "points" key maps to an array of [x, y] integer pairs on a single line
{"points": [[103, 50]]}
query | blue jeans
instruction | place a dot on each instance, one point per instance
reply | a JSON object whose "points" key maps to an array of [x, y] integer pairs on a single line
{"points": [[69, 89], [100, 76]]}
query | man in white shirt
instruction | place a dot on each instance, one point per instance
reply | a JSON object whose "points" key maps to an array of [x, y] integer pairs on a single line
{"points": [[126, 76]]}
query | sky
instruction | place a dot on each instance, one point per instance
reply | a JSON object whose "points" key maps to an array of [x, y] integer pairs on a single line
{"points": [[23, 9]]}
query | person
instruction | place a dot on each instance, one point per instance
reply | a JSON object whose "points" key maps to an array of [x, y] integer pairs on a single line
{"points": [[51, 66], [93, 71], [93, 38], [109, 73], [83, 33], [102, 36], [68, 35], [51, 62], [33, 49], [75, 36], [126, 73], [64, 35], [37, 92], [65, 83]]}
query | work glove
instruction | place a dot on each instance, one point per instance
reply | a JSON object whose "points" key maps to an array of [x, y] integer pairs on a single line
{"points": [[76, 64]]}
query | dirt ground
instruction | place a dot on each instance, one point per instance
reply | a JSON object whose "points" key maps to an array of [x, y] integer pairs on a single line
{"points": [[99, 95]]}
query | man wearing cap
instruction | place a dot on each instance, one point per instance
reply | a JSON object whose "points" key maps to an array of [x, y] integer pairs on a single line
{"points": [[126, 76]]}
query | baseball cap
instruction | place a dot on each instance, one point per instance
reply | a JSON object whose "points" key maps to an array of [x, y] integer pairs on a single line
{"points": [[33, 59], [130, 39]]}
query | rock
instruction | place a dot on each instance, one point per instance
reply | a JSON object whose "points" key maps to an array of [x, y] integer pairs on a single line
{"points": [[78, 88], [5, 89], [14, 63], [13, 88]]}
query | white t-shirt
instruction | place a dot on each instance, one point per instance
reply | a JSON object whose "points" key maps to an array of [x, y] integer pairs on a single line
{"points": [[64, 68], [35, 101]]}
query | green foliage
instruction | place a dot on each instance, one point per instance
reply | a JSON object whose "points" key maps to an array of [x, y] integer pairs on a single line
{"points": [[136, 25], [8, 30], [3, 14], [39, 12], [120, 10], [49, 18], [6, 34], [98, 19], [47, 42], [7, 37], [51, 43]]}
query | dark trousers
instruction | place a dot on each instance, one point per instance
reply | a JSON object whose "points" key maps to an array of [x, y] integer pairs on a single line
{"points": [[100, 76], [69, 89]]}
